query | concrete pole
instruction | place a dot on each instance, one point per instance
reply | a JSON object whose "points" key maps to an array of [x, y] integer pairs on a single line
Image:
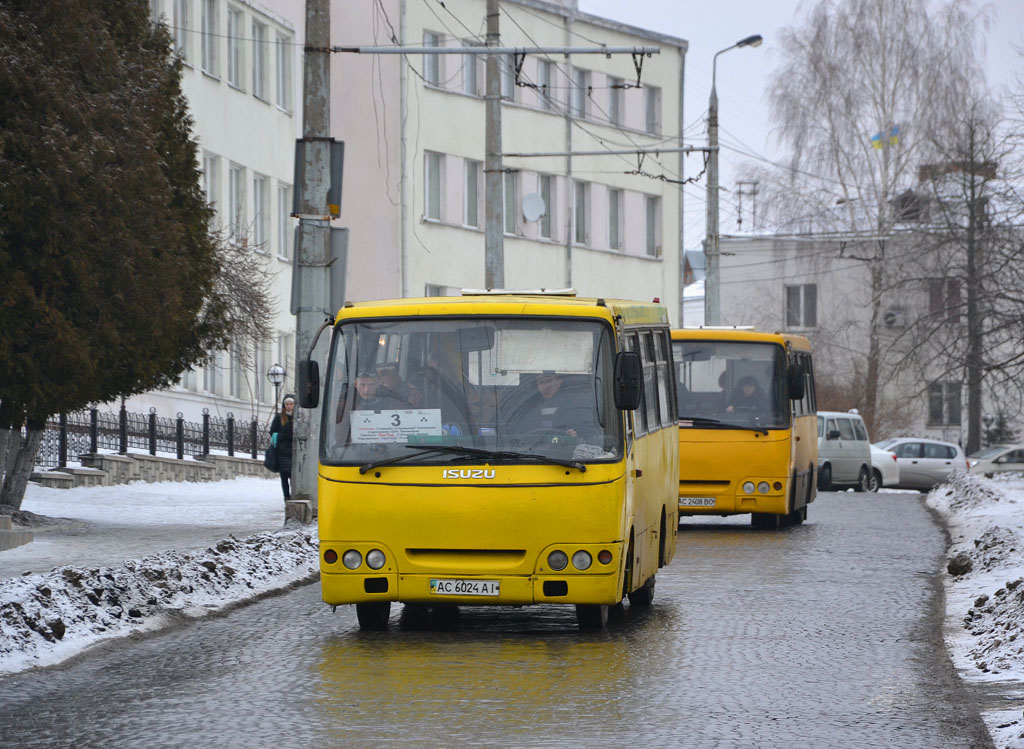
{"points": [[314, 250], [712, 310], [494, 219]]}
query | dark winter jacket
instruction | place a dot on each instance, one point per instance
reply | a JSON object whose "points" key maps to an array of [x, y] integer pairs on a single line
{"points": [[284, 443]]}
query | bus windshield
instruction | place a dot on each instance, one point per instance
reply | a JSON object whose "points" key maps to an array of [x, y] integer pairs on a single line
{"points": [[731, 384], [478, 389]]}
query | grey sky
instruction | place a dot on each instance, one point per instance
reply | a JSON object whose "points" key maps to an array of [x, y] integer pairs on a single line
{"points": [[743, 74]]}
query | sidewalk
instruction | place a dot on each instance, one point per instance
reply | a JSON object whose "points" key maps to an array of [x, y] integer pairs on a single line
{"points": [[105, 526]]}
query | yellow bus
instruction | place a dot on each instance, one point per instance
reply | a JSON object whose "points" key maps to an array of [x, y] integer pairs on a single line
{"points": [[747, 425], [495, 448]]}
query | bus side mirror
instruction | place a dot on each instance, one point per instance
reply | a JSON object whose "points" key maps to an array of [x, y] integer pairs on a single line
{"points": [[628, 379], [833, 435], [796, 383], [309, 383]]}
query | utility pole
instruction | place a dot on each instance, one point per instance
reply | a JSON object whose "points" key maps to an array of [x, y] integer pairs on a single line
{"points": [[712, 303], [313, 253], [494, 214]]}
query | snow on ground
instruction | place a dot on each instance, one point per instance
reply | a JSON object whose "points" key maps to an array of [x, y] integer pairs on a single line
{"points": [[108, 562], [985, 589]]}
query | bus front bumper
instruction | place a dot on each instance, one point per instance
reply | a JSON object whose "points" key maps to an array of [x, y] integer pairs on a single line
{"points": [[470, 590]]}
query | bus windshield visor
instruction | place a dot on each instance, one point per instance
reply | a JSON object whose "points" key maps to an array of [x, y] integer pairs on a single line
{"points": [[731, 384], [518, 386]]}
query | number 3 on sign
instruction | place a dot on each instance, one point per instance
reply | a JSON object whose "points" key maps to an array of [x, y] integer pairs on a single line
{"points": [[396, 420]]}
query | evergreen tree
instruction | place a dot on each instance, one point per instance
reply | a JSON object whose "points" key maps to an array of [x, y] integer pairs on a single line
{"points": [[110, 271]]}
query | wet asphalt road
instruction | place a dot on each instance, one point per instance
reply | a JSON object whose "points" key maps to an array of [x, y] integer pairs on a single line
{"points": [[823, 635]]}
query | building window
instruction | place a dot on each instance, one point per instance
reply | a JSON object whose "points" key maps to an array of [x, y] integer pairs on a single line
{"points": [[652, 109], [652, 226], [235, 47], [284, 72], [581, 196], [546, 77], [284, 224], [470, 79], [236, 203], [432, 63], [802, 306], [259, 60], [433, 183], [510, 194], [212, 374], [260, 209], [615, 219], [507, 72], [944, 298], [547, 194], [210, 38], [580, 91], [615, 89], [181, 28], [472, 201], [944, 404], [210, 179]]}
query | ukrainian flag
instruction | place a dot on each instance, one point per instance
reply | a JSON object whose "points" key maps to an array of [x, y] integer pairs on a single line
{"points": [[894, 135], [876, 140]]}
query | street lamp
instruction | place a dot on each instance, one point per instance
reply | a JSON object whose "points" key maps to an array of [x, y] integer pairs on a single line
{"points": [[712, 307], [276, 375]]}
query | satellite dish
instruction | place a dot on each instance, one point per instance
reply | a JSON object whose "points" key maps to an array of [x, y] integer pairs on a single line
{"points": [[533, 206]]}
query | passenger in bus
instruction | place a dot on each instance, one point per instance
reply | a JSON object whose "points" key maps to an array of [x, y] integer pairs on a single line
{"points": [[748, 397], [391, 384], [554, 408]]}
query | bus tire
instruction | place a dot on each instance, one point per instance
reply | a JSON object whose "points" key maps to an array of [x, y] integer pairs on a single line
{"points": [[373, 616], [591, 616], [644, 595], [766, 520]]}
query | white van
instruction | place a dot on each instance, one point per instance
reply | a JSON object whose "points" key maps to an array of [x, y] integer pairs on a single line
{"points": [[844, 451]]}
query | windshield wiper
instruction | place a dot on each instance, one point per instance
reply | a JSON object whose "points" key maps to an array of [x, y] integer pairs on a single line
{"points": [[476, 452], [724, 424]]}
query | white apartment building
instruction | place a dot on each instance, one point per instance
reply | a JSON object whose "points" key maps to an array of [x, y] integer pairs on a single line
{"points": [[414, 129], [242, 77]]}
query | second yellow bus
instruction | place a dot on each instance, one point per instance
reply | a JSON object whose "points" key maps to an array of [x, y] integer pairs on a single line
{"points": [[747, 427]]}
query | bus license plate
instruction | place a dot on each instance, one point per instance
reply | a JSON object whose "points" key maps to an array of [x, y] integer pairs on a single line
{"points": [[697, 501], [465, 587]]}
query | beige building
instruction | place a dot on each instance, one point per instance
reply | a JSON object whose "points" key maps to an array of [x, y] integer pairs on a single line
{"points": [[414, 129]]}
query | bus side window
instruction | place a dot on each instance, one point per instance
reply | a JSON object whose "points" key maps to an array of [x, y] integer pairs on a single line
{"points": [[650, 382], [640, 414], [664, 373]]}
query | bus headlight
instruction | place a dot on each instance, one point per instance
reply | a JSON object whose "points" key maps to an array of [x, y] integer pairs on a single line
{"points": [[375, 559], [582, 560], [558, 560], [330, 556], [763, 487], [352, 559], [748, 487]]}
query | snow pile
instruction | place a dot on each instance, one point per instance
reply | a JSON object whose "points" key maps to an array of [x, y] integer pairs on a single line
{"points": [[985, 586], [49, 617]]}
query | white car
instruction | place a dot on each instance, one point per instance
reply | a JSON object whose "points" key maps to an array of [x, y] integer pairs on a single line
{"points": [[924, 463], [997, 459], [885, 469]]}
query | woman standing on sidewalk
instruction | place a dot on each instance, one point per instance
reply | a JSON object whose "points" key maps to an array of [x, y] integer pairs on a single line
{"points": [[281, 436]]}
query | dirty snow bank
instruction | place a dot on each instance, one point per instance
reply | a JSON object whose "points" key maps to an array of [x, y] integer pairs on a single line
{"points": [[46, 618], [985, 587]]}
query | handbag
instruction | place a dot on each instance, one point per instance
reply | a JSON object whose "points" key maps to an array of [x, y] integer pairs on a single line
{"points": [[270, 459]]}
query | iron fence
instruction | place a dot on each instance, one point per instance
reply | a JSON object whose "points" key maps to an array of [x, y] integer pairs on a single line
{"points": [[69, 436]]}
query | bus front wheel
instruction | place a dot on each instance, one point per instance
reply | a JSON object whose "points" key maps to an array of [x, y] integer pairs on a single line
{"points": [[591, 615], [644, 595], [373, 616]]}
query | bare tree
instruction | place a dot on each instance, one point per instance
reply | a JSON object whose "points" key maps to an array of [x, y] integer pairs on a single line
{"points": [[852, 100]]}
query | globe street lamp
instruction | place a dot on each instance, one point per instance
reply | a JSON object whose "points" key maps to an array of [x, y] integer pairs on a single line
{"points": [[712, 307], [276, 375]]}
